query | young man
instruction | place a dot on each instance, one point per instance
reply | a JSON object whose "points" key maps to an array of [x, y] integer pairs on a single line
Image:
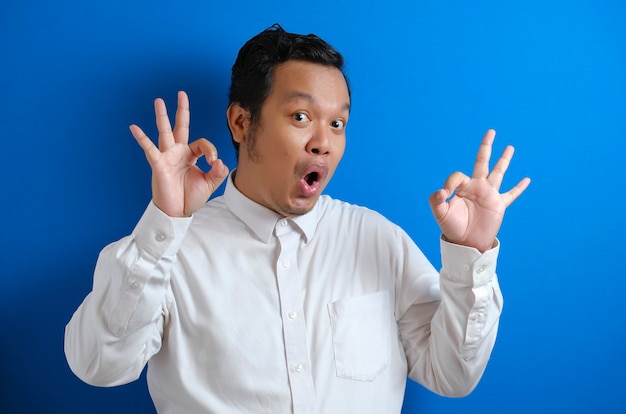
{"points": [[273, 298]]}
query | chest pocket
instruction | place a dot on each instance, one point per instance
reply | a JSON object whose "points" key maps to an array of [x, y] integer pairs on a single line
{"points": [[361, 331]]}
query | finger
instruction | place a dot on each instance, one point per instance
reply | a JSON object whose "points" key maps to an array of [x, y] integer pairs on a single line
{"points": [[481, 168], [204, 148], [181, 127], [439, 199], [454, 182], [497, 173], [151, 151], [166, 137], [217, 174], [515, 192], [438, 204]]}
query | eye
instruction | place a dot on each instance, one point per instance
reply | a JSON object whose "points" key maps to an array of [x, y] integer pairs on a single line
{"points": [[301, 117], [338, 124]]}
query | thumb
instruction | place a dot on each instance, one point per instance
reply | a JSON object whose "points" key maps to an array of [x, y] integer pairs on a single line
{"points": [[217, 174], [438, 204]]}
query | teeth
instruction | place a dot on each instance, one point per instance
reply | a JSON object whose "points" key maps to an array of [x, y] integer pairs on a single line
{"points": [[311, 178]]}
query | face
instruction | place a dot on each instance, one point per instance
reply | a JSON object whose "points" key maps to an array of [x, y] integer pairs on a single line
{"points": [[288, 158]]}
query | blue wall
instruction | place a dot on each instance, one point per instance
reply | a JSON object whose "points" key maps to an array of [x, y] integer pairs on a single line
{"points": [[428, 78]]}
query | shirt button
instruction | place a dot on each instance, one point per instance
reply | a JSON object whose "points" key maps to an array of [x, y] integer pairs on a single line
{"points": [[286, 264], [160, 237], [134, 285], [292, 315], [299, 368], [480, 269], [283, 223]]}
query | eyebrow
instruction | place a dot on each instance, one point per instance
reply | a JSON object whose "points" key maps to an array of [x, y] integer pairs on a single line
{"points": [[308, 97]]}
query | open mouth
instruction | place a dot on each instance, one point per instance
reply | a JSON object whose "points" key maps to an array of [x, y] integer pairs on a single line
{"points": [[311, 177], [311, 181]]}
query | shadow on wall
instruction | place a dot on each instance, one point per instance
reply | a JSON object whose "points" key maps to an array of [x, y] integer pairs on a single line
{"points": [[93, 195], [35, 377]]}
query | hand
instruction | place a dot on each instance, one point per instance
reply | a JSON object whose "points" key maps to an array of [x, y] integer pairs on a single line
{"points": [[179, 186], [470, 210]]}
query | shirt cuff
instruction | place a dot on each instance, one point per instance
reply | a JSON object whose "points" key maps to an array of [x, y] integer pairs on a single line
{"points": [[159, 234], [467, 266]]}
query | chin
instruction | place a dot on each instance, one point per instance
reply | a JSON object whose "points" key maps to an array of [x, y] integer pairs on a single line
{"points": [[299, 207]]}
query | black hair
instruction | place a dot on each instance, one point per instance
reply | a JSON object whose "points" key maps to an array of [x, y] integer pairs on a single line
{"points": [[253, 70]]}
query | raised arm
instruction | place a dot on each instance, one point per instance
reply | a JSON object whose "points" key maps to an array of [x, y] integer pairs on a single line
{"points": [[179, 186], [119, 325], [461, 328]]}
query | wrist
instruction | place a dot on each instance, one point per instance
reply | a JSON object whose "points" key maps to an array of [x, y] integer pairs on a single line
{"points": [[480, 248]]}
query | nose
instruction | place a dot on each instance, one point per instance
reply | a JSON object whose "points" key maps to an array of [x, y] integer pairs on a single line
{"points": [[320, 142]]}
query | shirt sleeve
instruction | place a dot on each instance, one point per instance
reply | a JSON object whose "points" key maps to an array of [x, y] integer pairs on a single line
{"points": [[449, 332], [118, 327]]}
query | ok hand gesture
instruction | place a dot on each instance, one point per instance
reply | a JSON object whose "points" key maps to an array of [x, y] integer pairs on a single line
{"points": [[179, 186], [473, 215]]}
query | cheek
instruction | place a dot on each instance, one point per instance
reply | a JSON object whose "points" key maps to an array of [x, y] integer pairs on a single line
{"points": [[291, 146], [336, 159], [339, 149], [284, 141]]}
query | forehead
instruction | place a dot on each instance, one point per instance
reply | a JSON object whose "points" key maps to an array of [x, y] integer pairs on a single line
{"points": [[296, 80]]}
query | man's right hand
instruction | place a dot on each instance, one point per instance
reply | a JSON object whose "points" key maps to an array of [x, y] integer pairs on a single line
{"points": [[179, 186]]}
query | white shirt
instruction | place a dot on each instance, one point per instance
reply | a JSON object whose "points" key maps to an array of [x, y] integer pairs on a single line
{"points": [[240, 310]]}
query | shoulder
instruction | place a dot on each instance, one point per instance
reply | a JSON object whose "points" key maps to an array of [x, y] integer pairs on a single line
{"points": [[346, 214], [214, 210]]}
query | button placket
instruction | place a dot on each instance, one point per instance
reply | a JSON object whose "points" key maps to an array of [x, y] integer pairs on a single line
{"points": [[476, 321], [294, 328]]}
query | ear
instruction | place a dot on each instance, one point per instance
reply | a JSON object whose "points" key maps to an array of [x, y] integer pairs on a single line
{"points": [[238, 122]]}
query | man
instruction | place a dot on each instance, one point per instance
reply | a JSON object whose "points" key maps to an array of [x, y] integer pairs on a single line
{"points": [[274, 298]]}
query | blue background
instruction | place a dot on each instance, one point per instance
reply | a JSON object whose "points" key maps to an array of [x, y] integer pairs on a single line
{"points": [[428, 78]]}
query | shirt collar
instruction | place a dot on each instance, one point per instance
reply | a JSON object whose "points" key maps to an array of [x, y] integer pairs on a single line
{"points": [[262, 220]]}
